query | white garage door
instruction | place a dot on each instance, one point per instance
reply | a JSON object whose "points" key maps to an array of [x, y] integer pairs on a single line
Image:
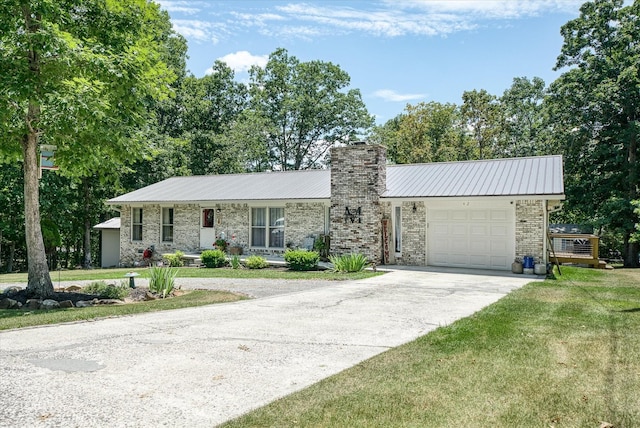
{"points": [[471, 237]]}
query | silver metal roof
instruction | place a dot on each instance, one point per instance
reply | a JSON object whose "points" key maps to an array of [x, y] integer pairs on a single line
{"points": [[112, 223], [308, 184], [499, 177], [540, 175]]}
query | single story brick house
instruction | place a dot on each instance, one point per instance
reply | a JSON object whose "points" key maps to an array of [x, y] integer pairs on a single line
{"points": [[473, 214]]}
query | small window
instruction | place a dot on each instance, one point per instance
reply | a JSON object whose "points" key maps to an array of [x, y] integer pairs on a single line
{"points": [[136, 224], [276, 227], [267, 227], [397, 229], [207, 217], [167, 225]]}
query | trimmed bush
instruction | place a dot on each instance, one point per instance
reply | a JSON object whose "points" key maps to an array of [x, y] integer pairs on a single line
{"points": [[175, 259], [213, 258], [256, 262], [349, 262], [107, 291], [302, 259]]}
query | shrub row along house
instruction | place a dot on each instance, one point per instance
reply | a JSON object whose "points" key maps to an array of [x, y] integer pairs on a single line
{"points": [[474, 214]]}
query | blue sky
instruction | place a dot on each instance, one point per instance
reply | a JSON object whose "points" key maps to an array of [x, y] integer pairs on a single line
{"points": [[396, 51]]}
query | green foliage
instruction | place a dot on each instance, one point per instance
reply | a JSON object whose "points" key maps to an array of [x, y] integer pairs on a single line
{"points": [[349, 262], [256, 262], [302, 259], [107, 291], [213, 258], [221, 244], [235, 262], [594, 109], [175, 259], [162, 280], [305, 109]]}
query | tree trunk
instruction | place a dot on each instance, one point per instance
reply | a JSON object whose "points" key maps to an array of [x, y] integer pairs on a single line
{"points": [[12, 256], [39, 282], [631, 248], [86, 257]]}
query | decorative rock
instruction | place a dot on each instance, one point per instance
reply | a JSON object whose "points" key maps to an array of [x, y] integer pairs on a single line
{"points": [[10, 291], [33, 304], [66, 304], [49, 304], [7, 303], [72, 288], [83, 304], [107, 302]]}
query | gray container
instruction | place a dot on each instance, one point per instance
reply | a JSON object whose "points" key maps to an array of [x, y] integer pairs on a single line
{"points": [[540, 269]]}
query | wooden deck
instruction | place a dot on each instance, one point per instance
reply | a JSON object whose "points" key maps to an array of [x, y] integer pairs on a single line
{"points": [[575, 248]]}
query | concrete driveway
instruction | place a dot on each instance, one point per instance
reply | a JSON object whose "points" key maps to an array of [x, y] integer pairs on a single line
{"points": [[202, 366]]}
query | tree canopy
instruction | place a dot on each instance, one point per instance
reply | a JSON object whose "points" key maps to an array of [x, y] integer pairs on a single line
{"points": [[77, 75], [305, 109], [595, 108]]}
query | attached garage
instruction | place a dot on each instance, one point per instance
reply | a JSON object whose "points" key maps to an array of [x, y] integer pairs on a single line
{"points": [[470, 236]]}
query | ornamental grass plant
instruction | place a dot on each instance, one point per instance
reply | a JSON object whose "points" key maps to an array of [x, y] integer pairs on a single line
{"points": [[353, 262]]}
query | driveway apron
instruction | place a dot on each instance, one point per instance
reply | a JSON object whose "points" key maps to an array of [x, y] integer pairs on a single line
{"points": [[202, 366]]}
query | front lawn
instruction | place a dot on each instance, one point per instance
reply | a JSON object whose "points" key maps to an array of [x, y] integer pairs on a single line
{"points": [[118, 274], [12, 318], [560, 353]]}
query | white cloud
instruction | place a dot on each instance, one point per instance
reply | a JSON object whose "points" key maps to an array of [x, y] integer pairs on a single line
{"points": [[496, 9], [186, 7], [242, 61], [382, 18], [391, 95], [198, 30]]}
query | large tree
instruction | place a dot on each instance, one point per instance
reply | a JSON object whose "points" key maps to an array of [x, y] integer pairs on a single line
{"points": [[305, 109], [523, 125], [483, 117], [211, 104], [596, 113], [426, 132], [78, 75]]}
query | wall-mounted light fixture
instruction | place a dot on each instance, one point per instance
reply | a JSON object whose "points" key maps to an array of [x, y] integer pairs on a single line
{"points": [[218, 210], [414, 207]]}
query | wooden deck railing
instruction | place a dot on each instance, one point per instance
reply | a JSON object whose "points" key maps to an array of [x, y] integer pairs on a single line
{"points": [[574, 248]]}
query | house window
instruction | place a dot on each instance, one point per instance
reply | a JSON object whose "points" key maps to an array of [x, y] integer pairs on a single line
{"points": [[207, 217], [167, 225], [136, 224], [397, 229], [267, 227]]}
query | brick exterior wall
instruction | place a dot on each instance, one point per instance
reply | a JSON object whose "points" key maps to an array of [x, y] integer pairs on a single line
{"points": [[530, 229], [358, 178], [301, 221], [414, 232]]}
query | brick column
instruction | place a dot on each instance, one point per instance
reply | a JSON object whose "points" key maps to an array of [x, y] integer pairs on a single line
{"points": [[358, 178]]}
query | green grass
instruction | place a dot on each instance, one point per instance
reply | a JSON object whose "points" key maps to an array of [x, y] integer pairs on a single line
{"points": [[118, 274], [560, 353], [10, 318]]}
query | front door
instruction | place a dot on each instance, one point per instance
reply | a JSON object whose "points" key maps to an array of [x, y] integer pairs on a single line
{"points": [[207, 229]]}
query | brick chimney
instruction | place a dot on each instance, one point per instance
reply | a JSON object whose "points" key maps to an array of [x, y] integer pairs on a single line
{"points": [[358, 178]]}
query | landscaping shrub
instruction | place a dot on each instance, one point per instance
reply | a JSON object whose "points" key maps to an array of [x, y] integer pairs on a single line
{"points": [[213, 258], [175, 259], [349, 262], [162, 280], [301, 259], [107, 291], [256, 262]]}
